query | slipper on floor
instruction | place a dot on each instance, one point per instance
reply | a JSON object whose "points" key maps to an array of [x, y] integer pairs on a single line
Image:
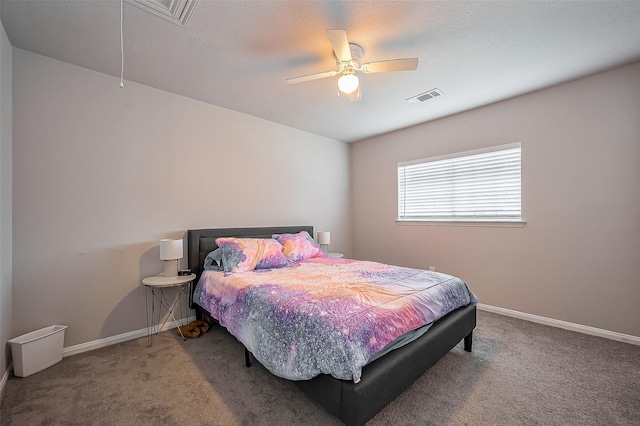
{"points": [[189, 331], [201, 325]]}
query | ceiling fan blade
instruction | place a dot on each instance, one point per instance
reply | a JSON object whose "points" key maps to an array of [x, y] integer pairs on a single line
{"points": [[340, 44], [310, 77], [407, 64], [355, 96]]}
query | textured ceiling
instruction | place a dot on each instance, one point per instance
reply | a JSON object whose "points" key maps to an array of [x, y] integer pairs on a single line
{"points": [[238, 54]]}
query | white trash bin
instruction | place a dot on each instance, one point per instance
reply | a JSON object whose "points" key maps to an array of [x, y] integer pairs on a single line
{"points": [[35, 351]]}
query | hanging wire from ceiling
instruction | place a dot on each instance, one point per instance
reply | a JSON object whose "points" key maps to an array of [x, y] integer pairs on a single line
{"points": [[121, 45]]}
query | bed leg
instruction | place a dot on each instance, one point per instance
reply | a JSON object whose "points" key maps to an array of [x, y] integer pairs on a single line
{"points": [[468, 341], [247, 358]]}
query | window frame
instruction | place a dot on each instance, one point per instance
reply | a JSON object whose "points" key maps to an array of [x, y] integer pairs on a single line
{"points": [[482, 222]]}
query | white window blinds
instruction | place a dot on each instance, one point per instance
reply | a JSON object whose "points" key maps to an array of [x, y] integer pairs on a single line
{"points": [[477, 186]]}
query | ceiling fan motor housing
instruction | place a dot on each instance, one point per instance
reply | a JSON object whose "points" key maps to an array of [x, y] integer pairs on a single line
{"points": [[350, 67], [356, 53]]}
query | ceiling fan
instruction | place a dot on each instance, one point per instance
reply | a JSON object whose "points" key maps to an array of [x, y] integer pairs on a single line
{"points": [[348, 57]]}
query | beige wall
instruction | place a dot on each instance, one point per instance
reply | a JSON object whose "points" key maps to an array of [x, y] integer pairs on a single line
{"points": [[578, 257], [102, 173], [5, 199]]}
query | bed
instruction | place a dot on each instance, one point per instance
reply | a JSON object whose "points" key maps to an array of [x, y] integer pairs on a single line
{"points": [[352, 401]]}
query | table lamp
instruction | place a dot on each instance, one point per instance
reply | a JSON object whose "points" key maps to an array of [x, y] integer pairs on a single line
{"points": [[171, 253], [324, 239]]}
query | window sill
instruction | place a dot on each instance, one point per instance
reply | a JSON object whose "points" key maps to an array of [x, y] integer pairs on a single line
{"points": [[487, 224]]}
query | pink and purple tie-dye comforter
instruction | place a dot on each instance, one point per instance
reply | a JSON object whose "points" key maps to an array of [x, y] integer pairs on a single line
{"points": [[326, 315]]}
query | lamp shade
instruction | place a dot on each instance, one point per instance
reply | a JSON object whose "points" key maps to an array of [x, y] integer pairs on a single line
{"points": [[324, 237], [170, 249]]}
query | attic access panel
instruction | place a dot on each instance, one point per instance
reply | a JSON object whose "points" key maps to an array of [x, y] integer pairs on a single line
{"points": [[175, 11]]}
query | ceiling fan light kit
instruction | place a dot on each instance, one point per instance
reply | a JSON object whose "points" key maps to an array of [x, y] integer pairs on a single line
{"points": [[348, 83], [348, 57]]}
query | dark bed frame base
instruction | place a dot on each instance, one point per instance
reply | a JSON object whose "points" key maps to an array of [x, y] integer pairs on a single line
{"points": [[384, 379], [355, 404]]}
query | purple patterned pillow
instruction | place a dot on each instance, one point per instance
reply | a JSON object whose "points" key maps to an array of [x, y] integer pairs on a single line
{"points": [[247, 254], [300, 246]]}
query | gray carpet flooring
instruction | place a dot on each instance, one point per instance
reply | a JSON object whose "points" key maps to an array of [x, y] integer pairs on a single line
{"points": [[519, 373]]}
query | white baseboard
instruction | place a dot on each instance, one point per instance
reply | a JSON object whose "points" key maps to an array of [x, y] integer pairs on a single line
{"points": [[112, 340], [585, 329], [5, 377]]}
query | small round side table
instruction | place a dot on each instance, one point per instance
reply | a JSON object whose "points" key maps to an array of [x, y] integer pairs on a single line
{"points": [[157, 284]]}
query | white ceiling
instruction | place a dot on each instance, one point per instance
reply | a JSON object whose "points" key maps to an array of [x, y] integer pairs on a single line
{"points": [[238, 54]]}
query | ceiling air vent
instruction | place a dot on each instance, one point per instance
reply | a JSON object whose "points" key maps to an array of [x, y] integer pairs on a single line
{"points": [[433, 93], [175, 11]]}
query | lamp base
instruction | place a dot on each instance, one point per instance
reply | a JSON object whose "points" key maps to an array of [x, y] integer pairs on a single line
{"points": [[171, 268], [325, 248]]}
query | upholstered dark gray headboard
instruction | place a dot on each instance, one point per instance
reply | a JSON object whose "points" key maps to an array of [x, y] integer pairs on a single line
{"points": [[202, 241]]}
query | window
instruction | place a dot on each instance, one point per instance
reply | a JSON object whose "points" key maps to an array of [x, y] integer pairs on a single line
{"points": [[474, 186]]}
